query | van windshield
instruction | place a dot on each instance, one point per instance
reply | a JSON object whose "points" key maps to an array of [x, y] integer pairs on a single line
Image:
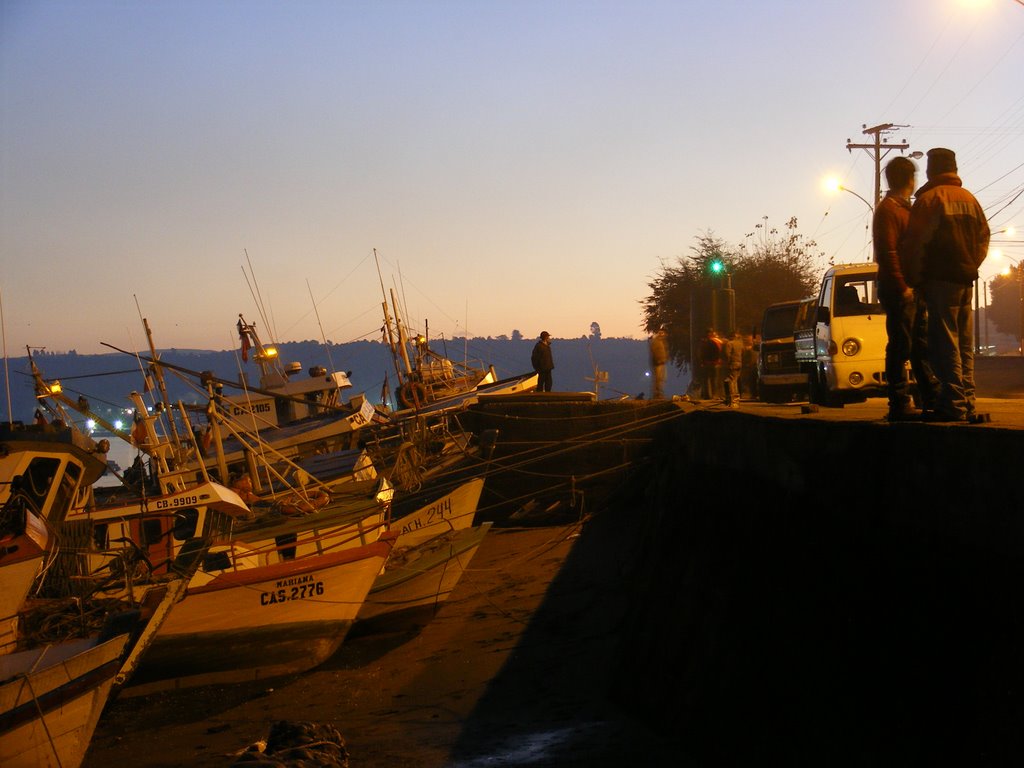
{"points": [[856, 295]]}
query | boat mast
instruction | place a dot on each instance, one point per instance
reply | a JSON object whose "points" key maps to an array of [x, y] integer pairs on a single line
{"points": [[162, 384]]}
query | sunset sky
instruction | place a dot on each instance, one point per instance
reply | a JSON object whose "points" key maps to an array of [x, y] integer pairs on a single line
{"points": [[514, 164]]}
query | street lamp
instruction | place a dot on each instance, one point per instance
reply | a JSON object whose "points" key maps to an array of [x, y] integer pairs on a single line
{"points": [[869, 205], [833, 185]]}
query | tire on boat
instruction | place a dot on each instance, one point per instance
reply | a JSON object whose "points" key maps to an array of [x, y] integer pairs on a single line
{"points": [[412, 394]]}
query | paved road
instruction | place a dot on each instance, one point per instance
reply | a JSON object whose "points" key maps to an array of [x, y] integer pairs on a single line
{"points": [[1006, 413]]}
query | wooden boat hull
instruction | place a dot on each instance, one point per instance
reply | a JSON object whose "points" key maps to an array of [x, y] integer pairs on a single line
{"points": [[52, 700], [19, 566], [419, 580], [263, 621], [452, 512]]}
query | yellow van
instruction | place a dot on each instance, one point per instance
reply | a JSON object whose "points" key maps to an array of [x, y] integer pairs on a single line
{"points": [[841, 347]]}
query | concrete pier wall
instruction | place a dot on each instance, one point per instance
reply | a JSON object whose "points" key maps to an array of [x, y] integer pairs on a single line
{"points": [[818, 593]]}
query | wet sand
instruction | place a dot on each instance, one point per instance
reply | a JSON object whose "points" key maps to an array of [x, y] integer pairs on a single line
{"points": [[512, 670]]}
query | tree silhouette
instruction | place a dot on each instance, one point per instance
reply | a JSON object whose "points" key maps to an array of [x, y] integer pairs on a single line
{"points": [[776, 266], [1005, 303]]}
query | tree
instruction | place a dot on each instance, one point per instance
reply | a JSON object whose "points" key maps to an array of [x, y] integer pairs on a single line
{"points": [[1005, 302], [516, 335], [595, 331], [777, 267]]}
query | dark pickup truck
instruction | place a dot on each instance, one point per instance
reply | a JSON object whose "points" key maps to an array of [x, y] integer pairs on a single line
{"points": [[779, 378]]}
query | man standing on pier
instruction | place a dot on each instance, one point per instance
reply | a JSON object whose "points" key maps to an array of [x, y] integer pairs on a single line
{"points": [[543, 362], [659, 356], [945, 243]]}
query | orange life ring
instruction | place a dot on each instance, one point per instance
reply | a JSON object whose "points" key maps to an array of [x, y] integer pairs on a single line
{"points": [[412, 394]]}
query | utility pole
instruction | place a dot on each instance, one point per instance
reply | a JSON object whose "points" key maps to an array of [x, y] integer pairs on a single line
{"points": [[878, 149]]}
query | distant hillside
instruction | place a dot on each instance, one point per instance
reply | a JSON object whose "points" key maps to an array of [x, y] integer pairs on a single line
{"points": [[107, 379]]}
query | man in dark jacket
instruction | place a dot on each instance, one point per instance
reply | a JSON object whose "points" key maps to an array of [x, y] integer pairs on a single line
{"points": [[543, 362], [710, 352], [905, 317], [945, 243]]}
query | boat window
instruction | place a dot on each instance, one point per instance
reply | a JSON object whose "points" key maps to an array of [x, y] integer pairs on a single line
{"points": [[66, 491], [37, 480], [185, 523], [99, 535], [152, 532], [216, 561]]}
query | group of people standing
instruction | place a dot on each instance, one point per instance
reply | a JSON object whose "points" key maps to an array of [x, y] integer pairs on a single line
{"points": [[727, 366], [928, 254]]}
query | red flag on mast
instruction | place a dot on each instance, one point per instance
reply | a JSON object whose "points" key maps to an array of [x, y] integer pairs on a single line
{"points": [[243, 334]]}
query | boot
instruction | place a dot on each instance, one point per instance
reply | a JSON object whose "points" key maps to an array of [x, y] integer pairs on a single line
{"points": [[903, 410]]}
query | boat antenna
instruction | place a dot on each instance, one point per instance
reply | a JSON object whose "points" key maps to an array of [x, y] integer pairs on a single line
{"points": [[387, 323], [322, 334], [379, 276], [7, 374], [158, 374], [257, 297]]}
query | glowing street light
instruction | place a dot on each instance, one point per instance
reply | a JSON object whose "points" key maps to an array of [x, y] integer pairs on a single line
{"points": [[833, 185]]}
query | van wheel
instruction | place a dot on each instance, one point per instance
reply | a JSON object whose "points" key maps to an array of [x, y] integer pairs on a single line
{"points": [[825, 396], [815, 389], [818, 391]]}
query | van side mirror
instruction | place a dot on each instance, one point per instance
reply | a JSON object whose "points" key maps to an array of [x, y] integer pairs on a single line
{"points": [[824, 316]]}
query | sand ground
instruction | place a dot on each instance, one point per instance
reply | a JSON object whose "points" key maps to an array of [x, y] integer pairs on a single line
{"points": [[512, 670]]}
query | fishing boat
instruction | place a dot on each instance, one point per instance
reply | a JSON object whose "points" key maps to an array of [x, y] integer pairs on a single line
{"points": [[252, 621], [24, 540], [278, 596], [64, 650], [295, 416], [51, 699], [429, 382], [434, 547], [418, 579], [269, 593]]}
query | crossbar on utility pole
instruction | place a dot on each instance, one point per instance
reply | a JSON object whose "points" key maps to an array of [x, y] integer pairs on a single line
{"points": [[876, 150]]}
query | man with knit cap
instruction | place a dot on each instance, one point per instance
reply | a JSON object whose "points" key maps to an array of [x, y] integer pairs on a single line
{"points": [[945, 243]]}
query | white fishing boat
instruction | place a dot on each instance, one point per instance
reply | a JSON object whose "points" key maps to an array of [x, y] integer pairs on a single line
{"points": [[271, 594], [417, 580], [454, 511], [23, 543], [253, 620], [63, 650], [284, 418], [435, 545], [288, 411], [51, 699], [429, 382]]}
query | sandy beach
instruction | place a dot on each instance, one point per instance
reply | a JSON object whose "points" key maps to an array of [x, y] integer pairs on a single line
{"points": [[512, 670]]}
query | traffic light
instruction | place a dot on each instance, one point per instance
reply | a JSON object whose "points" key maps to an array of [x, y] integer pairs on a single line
{"points": [[715, 266]]}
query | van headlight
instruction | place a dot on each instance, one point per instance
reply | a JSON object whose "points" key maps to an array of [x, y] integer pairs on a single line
{"points": [[851, 347]]}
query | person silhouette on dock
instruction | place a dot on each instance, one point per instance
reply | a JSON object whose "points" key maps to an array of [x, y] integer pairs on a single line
{"points": [[543, 362]]}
